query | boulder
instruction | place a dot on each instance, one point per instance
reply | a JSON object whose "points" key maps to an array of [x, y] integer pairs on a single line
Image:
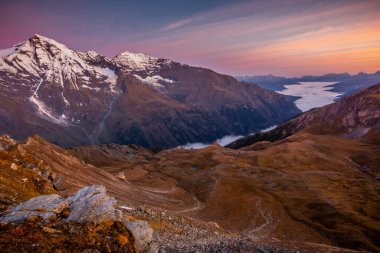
{"points": [[19, 216], [45, 206], [92, 204], [45, 203]]}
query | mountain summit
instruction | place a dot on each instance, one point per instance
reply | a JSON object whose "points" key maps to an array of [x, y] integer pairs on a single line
{"points": [[75, 98]]}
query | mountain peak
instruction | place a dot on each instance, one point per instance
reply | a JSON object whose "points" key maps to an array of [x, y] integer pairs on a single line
{"points": [[138, 61], [132, 54], [44, 41], [38, 36], [138, 58]]}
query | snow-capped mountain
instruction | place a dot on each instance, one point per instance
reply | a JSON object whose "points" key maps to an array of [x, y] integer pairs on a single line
{"points": [[74, 98], [52, 76], [146, 68]]}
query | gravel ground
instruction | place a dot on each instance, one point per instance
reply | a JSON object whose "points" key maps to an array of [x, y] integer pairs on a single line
{"points": [[176, 233]]}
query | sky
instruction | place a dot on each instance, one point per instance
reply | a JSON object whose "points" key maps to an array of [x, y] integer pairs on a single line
{"points": [[236, 37]]}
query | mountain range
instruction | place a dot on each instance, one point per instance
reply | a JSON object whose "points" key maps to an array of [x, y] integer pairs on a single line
{"points": [[78, 98], [345, 83]]}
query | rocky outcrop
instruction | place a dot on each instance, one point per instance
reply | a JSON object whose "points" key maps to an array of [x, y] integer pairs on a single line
{"points": [[89, 205], [92, 204], [45, 206]]}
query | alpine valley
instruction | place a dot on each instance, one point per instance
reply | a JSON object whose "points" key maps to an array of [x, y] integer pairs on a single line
{"points": [[89, 159]]}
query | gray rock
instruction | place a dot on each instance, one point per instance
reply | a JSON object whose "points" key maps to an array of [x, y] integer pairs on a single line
{"points": [[142, 232], [44, 203], [45, 206], [86, 192], [92, 204], [19, 216]]}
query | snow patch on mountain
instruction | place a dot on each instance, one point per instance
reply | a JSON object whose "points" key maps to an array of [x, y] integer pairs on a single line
{"points": [[138, 62], [110, 75], [155, 81], [7, 51], [90, 88], [44, 111]]}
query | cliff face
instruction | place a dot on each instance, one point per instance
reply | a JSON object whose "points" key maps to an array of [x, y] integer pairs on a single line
{"points": [[75, 98]]}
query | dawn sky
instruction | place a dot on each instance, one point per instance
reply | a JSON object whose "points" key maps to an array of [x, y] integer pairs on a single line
{"points": [[288, 37]]}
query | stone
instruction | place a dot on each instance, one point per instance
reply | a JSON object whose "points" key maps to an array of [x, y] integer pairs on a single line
{"points": [[19, 216], [44, 203], [59, 183], [92, 204], [141, 231], [51, 230], [86, 192], [46, 206], [13, 166]]}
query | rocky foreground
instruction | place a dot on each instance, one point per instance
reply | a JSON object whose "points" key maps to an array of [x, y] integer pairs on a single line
{"points": [[91, 221], [89, 216]]}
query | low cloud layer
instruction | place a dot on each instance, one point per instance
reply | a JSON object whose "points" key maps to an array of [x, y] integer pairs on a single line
{"points": [[313, 94]]}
